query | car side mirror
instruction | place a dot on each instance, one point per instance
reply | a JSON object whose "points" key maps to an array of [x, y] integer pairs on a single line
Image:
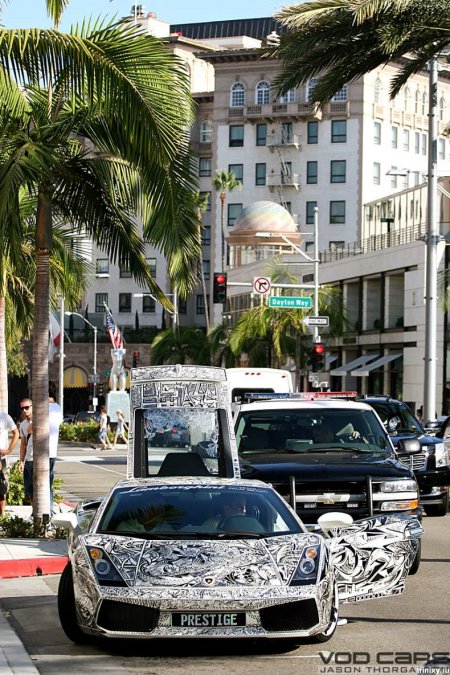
{"points": [[409, 446], [328, 521]]}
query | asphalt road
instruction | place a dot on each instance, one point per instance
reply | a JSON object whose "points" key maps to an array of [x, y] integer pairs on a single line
{"points": [[382, 637]]}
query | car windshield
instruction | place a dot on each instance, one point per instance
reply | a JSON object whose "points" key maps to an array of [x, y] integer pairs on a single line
{"points": [[303, 430], [192, 512], [180, 441], [397, 418]]}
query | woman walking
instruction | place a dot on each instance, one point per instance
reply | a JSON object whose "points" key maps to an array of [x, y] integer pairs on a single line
{"points": [[103, 429], [121, 429]]}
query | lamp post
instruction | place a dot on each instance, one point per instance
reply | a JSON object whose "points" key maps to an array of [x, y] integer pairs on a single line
{"points": [[94, 374]]}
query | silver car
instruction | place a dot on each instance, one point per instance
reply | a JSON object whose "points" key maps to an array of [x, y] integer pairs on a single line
{"points": [[220, 558]]}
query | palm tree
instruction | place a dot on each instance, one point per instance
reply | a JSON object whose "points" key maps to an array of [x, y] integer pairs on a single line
{"points": [[97, 126], [188, 344], [338, 41], [202, 205], [224, 181]]}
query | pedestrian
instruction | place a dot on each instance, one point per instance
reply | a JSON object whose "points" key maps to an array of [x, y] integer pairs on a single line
{"points": [[121, 428], [26, 448], [55, 418], [6, 447], [419, 414], [103, 429]]}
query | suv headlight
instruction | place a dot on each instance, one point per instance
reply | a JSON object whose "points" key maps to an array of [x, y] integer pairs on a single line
{"points": [[399, 486], [441, 455]]}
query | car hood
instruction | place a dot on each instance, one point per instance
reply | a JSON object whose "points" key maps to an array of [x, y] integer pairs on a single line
{"points": [[321, 466], [204, 563]]}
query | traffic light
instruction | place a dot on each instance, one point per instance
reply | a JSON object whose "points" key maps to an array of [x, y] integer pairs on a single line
{"points": [[318, 357], [135, 359], [220, 287]]}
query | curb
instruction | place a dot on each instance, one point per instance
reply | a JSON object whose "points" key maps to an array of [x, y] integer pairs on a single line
{"points": [[32, 567]]}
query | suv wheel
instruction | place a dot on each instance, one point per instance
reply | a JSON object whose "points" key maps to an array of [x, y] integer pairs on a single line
{"points": [[437, 509]]}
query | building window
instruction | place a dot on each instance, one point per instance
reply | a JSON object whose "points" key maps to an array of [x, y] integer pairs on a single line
{"points": [[337, 212], [407, 99], [261, 134], [417, 143], [441, 146], [288, 97], [338, 171], [237, 95], [424, 104], [182, 306], [393, 178], [310, 206], [442, 107], [148, 305], [236, 136], [288, 207], [336, 245], [124, 302], [378, 91], [234, 211], [311, 172], [341, 95], [309, 247], [394, 137], [286, 173], [238, 170], [405, 143], [377, 133], [151, 262], [102, 266], [206, 196], [313, 133], [206, 235], [376, 173], [262, 93], [200, 304], [206, 130], [424, 144], [124, 271], [205, 166], [417, 102], [338, 131], [260, 173], [287, 135], [101, 299], [206, 269], [310, 89]]}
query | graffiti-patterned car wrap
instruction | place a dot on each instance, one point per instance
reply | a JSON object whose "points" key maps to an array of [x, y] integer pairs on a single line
{"points": [[256, 573]]}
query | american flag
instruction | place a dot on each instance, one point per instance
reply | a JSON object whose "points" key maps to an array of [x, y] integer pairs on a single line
{"points": [[113, 331]]}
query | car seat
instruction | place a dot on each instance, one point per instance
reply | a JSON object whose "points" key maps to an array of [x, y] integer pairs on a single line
{"points": [[183, 464]]}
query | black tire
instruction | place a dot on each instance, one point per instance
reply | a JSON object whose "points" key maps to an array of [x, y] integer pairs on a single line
{"points": [[437, 510], [332, 625], [416, 564], [66, 608]]}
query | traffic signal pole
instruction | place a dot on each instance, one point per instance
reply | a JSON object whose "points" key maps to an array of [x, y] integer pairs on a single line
{"points": [[316, 336]]}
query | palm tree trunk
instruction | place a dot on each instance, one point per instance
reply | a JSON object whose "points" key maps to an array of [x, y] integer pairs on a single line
{"points": [[3, 361], [222, 228], [41, 478]]}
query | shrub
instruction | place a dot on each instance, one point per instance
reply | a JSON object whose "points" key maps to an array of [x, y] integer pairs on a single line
{"points": [[14, 526], [16, 493], [83, 433]]}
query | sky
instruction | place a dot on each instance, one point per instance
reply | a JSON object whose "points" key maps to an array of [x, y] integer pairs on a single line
{"points": [[32, 14]]}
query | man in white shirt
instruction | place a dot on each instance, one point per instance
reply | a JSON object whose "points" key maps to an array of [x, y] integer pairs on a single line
{"points": [[6, 447]]}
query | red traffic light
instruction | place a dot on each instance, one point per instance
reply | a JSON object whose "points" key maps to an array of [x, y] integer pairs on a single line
{"points": [[220, 279], [219, 287], [319, 349]]}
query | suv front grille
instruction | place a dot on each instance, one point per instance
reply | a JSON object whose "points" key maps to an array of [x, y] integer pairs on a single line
{"points": [[415, 462]]}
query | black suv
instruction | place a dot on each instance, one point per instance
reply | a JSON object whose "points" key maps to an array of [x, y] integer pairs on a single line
{"points": [[431, 465]]}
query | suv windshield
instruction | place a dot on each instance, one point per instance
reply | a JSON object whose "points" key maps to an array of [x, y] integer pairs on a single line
{"points": [[396, 417], [309, 430]]}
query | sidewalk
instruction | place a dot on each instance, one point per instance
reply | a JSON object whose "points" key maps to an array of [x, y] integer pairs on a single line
{"points": [[27, 557]]}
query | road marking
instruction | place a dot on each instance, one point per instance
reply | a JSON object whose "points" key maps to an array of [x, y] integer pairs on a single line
{"points": [[89, 460]]}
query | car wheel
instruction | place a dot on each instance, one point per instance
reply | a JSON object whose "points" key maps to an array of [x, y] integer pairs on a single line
{"points": [[334, 617], [437, 510], [67, 610], [416, 563]]}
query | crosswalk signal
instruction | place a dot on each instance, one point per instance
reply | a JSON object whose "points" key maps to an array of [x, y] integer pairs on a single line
{"points": [[220, 287], [318, 357], [135, 359]]}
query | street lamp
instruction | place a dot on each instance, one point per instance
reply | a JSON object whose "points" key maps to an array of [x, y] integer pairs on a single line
{"points": [[173, 295], [94, 375]]}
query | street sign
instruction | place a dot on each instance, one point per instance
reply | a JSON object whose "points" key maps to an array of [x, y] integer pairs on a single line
{"points": [[319, 380], [286, 302], [94, 378], [261, 285], [316, 320]]}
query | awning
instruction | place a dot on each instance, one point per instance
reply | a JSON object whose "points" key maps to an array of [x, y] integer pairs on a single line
{"points": [[379, 363], [360, 361], [330, 358], [75, 378]]}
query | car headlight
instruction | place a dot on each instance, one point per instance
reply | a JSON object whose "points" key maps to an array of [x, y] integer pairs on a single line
{"points": [[399, 486], [441, 455], [307, 568], [104, 569]]}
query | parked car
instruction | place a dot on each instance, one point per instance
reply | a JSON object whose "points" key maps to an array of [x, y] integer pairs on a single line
{"points": [[86, 415], [177, 436], [68, 418], [220, 557], [431, 464]]}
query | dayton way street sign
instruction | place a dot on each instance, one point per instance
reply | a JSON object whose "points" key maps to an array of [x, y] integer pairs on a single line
{"points": [[284, 301]]}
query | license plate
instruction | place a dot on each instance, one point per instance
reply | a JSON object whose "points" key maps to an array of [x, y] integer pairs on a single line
{"points": [[208, 619]]}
